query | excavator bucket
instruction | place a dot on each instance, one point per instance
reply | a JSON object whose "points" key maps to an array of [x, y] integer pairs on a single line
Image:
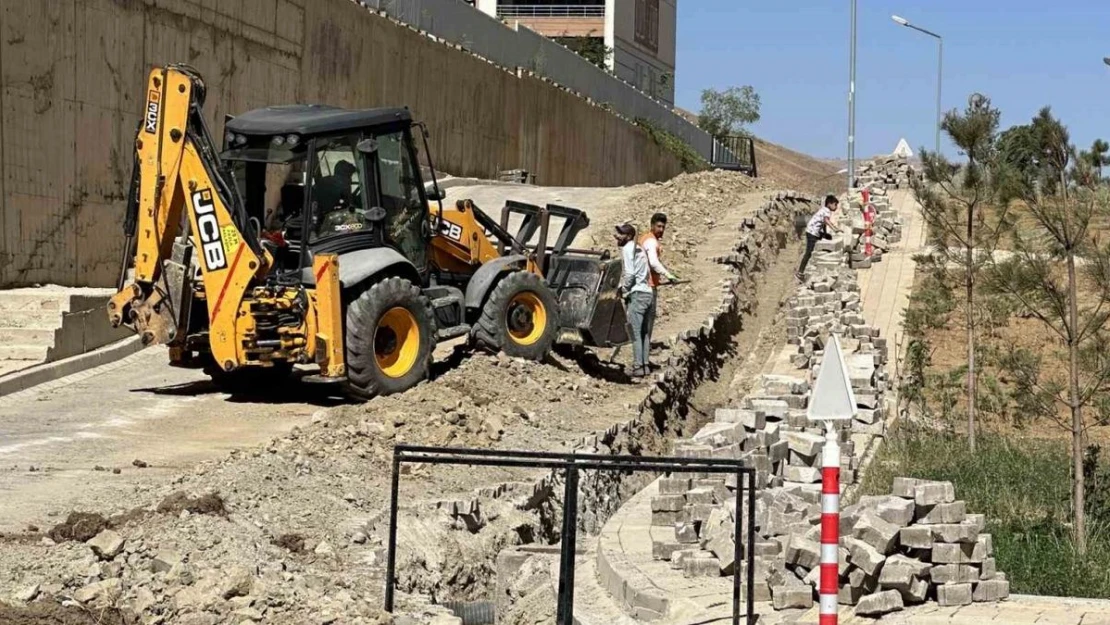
{"points": [[589, 301]]}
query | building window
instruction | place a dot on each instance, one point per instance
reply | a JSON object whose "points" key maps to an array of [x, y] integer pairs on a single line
{"points": [[647, 24]]}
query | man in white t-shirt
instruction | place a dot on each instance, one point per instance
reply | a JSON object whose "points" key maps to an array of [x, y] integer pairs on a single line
{"points": [[816, 229]]}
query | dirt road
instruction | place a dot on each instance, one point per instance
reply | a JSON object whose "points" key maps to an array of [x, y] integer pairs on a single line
{"points": [[61, 444]]}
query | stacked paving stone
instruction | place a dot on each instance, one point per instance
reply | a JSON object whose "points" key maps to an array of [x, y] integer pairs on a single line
{"points": [[886, 229], [918, 543], [770, 431], [892, 172]]}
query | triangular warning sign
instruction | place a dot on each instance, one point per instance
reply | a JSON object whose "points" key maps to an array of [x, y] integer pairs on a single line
{"points": [[832, 397], [903, 149]]}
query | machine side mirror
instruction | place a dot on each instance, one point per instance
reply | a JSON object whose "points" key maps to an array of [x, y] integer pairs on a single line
{"points": [[375, 214], [435, 193], [367, 146]]}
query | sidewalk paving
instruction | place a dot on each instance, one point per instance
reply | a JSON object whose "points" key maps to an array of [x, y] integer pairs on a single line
{"points": [[1017, 610], [885, 287]]}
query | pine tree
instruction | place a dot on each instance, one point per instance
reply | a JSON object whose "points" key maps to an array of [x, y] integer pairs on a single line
{"points": [[962, 232], [1064, 199]]}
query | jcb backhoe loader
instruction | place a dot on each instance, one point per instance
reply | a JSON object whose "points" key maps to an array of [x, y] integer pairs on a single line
{"points": [[310, 240]]}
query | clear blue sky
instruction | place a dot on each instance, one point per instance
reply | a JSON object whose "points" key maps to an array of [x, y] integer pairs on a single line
{"points": [[1023, 54]]}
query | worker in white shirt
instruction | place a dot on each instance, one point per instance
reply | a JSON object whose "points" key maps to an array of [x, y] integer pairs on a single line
{"points": [[651, 241], [638, 295]]}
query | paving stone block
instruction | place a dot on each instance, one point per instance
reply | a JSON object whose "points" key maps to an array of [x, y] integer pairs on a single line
{"points": [[991, 590], [699, 513], [667, 503], [805, 475], [933, 493], [661, 550], [954, 532], [917, 592], [954, 512], [988, 570], [802, 552], [953, 573], [849, 595], [772, 408], [864, 556], [897, 511], [686, 533], [880, 603], [716, 432], [953, 594], [682, 554], [873, 530], [664, 518], [864, 415], [959, 553], [778, 451], [805, 443], [792, 596], [916, 537], [978, 520], [985, 546], [674, 485], [699, 496], [700, 566], [767, 548]]}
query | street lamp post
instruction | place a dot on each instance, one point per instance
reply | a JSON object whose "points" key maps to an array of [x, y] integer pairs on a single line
{"points": [[901, 21], [852, 103]]}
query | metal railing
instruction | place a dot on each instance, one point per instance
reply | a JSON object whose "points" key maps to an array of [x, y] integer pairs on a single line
{"points": [[571, 465], [550, 10], [735, 153]]}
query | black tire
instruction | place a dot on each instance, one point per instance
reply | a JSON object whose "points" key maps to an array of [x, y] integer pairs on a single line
{"points": [[249, 380], [379, 323], [510, 315]]}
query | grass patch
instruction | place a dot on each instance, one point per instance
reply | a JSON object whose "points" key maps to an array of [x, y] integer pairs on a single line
{"points": [[690, 159], [1022, 486]]}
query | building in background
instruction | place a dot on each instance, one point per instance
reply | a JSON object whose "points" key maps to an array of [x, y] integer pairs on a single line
{"points": [[634, 39]]}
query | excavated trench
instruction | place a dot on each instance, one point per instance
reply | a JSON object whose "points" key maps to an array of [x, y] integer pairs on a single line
{"points": [[734, 341]]}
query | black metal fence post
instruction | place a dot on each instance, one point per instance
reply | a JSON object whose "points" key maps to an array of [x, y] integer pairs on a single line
{"points": [[565, 612], [751, 547], [391, 548]]}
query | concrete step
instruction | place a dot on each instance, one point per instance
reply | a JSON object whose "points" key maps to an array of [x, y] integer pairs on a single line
{"points": [[30, 318], [24, 352], [27, 336], [34, 299]]}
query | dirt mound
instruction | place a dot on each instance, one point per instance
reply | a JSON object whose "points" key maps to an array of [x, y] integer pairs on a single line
{"points": [[211, 503], [78, 526], [49, 613]]}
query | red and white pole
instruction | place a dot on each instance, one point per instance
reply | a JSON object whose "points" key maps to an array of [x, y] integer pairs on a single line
{"points": [[830, 525]]}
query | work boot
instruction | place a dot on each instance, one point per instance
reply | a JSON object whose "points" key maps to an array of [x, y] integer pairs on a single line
{"points": [[638, 373]]}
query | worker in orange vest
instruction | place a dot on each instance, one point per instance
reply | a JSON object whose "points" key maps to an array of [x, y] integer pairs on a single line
{"points": [[651, 242]]}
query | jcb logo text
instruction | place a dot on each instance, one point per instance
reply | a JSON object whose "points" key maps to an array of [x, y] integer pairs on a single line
{"points": [[208, 230]]}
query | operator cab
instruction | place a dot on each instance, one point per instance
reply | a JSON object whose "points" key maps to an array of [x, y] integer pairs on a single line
{"points": [[321, 179]]}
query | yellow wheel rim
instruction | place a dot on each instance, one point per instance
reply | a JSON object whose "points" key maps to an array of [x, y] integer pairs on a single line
{"points": [[526, 318], [396, 342]]}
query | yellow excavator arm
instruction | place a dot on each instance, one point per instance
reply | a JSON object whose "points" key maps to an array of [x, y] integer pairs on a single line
{"points": [[178, 174]]}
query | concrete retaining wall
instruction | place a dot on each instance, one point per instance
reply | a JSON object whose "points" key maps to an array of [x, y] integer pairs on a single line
{"points": [[520, 47], [72, 75]]}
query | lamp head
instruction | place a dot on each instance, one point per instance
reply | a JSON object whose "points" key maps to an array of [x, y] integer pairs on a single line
{"points": [[901, 21]]}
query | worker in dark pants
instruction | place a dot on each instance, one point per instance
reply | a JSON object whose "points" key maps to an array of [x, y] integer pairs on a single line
{"points": [[817, 229], [638, 295]]}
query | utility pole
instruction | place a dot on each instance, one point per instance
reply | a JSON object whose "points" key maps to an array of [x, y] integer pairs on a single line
{"points": [[852, 103]]}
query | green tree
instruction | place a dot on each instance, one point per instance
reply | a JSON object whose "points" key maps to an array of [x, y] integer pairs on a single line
{"points": [[963, 233], [1043, 278], [727, 112]]}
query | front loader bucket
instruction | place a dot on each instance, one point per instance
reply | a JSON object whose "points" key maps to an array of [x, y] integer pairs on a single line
{"points": [[586, 287]]}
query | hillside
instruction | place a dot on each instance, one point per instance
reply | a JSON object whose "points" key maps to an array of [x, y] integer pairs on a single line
{"points": [[796, 170]]}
